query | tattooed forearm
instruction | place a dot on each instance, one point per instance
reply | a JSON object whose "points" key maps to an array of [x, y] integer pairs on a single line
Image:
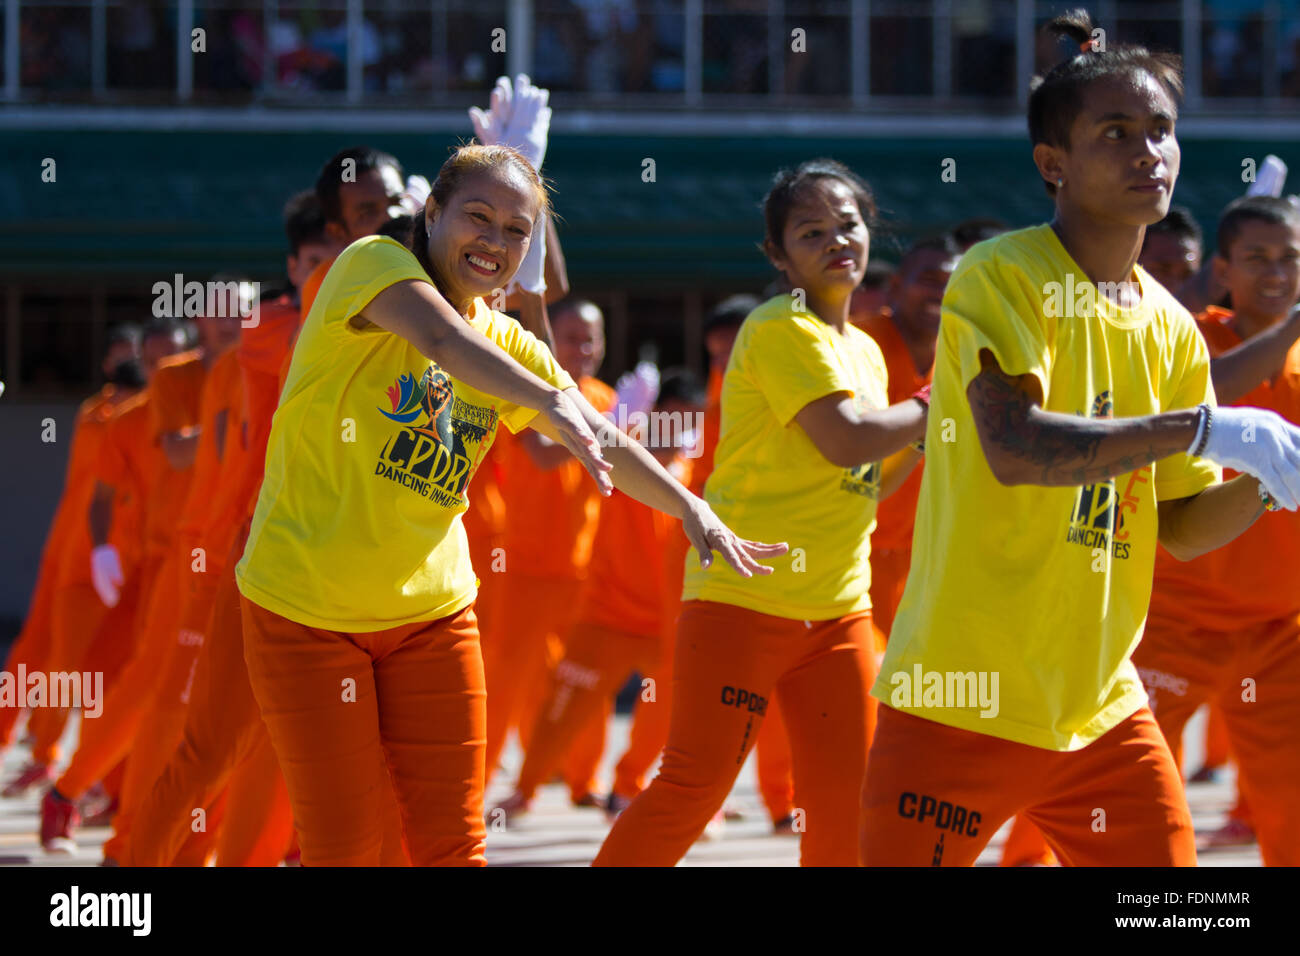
{"points": [[1047, 448]]}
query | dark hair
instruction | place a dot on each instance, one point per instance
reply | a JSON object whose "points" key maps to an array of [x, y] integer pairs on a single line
{"points": [[398, 228], [731, 311], [127, 333], [330, 179], [943, 243], [464, 162], [682, 385], [304, 220], [1178, 222], [970, 231], [1056, 99], [788, 185], [878, 274], [1271, 209]]}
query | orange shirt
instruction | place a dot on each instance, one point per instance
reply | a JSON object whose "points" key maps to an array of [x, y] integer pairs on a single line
{"points": [[553, 514], [128, 458], [69, 536], [178, 389], [177, 394], [711, 431], [264, 355], [896, 515], [219, 411], [1256, 577], [631, 584]]}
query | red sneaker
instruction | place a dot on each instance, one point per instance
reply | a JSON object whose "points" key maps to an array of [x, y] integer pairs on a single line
{"points": [[58, 818], [32, 775]]}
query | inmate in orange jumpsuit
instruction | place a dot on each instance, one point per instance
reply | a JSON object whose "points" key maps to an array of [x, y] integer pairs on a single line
{"points": [[202, 541], [553, 519], [174, 405], [632, 589], [33, 647], [1225, 628]]}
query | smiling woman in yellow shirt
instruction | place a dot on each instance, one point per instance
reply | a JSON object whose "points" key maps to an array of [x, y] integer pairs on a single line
{"points": [[809, 444], [356, 583]]}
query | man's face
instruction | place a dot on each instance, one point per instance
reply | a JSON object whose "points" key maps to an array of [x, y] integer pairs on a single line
{"points": [[579, 340], [310, 255], [1262, 270], [367, 204], [916, 292], [1171, 259]]}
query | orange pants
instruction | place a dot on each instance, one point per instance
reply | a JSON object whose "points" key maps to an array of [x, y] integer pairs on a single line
{"points": [[225, 742], [598, 661], [775, 766], [536, 614], [1026, 845], [109, 739], [728, 662], [888, 579], [934, 795], [1253, 675], [336, 703], [258, 826], [76, 619], [649, 731], [32, 647]]}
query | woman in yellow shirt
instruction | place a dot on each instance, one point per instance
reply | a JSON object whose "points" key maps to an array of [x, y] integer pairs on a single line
{"points": [[806, 426], [356, 583]]}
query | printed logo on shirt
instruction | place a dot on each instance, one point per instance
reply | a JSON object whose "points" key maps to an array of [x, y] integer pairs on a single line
{"points": [[437, 451], [1095, 521], [864, 479]]}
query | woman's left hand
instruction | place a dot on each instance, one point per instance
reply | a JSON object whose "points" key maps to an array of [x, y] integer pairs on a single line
{"points": [[708, 534]]}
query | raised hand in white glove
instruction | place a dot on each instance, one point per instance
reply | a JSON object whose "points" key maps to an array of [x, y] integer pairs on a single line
{"points": [[489, 126], [1258, 442], [414, 195], [637, 390], [529, 122], [106, 574]]}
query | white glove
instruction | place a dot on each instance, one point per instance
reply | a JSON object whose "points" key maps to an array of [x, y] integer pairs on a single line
{"points": [[517, 116], [529, 121], [1270, 179], [415, 195], [489, 126], [106, 574], [1258, 442], [637, 390]]}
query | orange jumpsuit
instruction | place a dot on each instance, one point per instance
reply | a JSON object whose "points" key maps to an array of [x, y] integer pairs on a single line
{"points": [[1225, 629], [173, 405], [201, 543], [553, 519], [632, 594], [68, 531]]}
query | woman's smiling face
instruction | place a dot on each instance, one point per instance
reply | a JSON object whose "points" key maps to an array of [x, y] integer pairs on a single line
{"points": [[477, 242]]}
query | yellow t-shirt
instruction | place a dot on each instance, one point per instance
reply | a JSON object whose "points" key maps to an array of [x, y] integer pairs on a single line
{"points": [[1035, 597], [358, 524], [770, 483]]}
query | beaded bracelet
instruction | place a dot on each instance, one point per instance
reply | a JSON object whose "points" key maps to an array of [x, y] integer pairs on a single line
{"points": [[1202, 431], [1270, 503]]}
